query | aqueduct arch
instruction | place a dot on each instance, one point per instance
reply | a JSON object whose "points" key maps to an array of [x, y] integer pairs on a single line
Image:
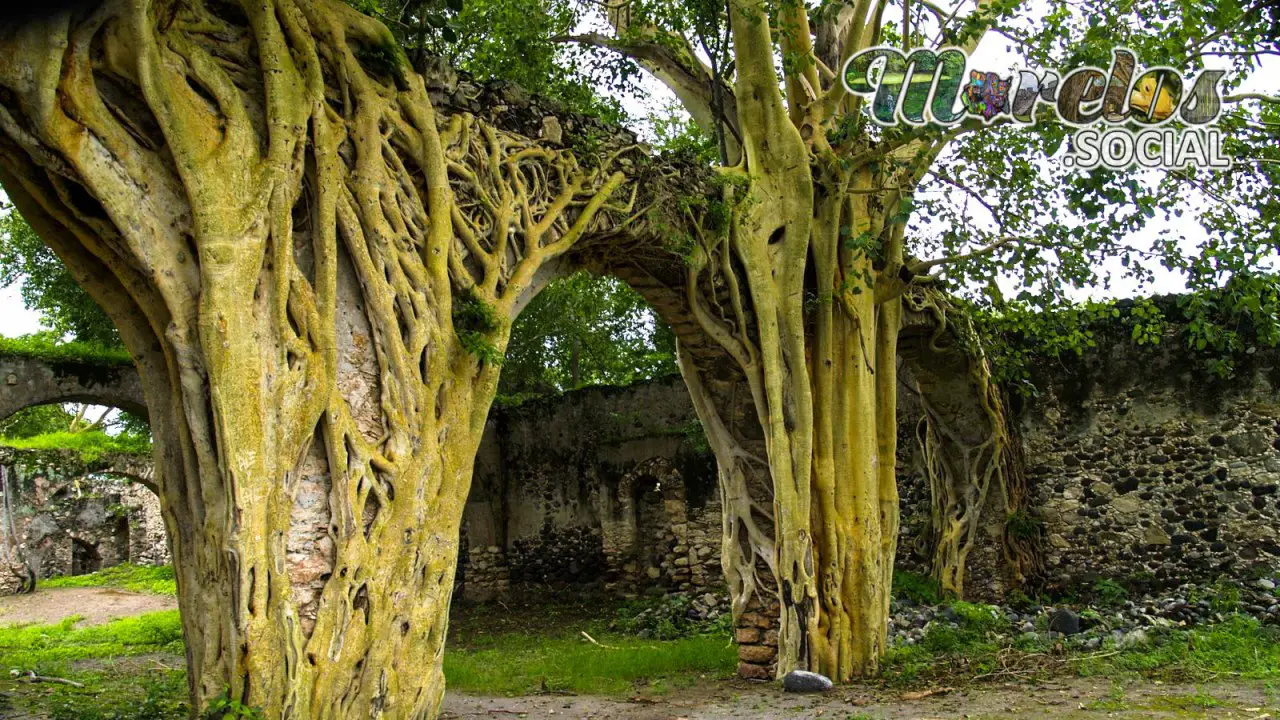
{"points": [[29, 380], [721, 393]]}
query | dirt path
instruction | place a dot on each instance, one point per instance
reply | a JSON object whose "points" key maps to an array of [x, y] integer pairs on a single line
{"points": [[95, 605], [1071, 699]]}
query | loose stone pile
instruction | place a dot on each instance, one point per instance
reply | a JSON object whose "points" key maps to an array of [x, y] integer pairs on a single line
{"points": [[1126, 623], [676, 615]]}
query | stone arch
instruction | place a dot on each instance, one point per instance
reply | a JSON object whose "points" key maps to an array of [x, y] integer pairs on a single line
{"points": [[650, 500], [724, 402], [936, 364], [31, 381], [85, 557]]}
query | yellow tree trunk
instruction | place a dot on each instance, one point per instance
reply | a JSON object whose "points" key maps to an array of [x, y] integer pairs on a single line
{"points": [[798, 275], [813, 321], [315, 274]]}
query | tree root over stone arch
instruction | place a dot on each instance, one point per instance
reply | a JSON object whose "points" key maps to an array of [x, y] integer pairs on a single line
{"points": [[315, 272], [967, 449]]}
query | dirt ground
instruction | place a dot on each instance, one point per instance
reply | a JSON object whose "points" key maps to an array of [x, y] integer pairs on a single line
{"points": [[95, 605], [1064, 699], [1070, 699]]}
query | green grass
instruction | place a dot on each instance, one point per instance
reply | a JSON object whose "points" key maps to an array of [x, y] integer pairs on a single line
{"points": [[920, 589], [518, 664], [132, 667], [546, 653], [534, 644], [90, 446], [1113, 702], [1201, 700], [42, 348], [49, 647], [116, 687], [157, 580], [1239, 647]]}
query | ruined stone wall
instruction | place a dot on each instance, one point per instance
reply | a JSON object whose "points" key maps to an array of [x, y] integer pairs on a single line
{"points": [[80, 524], [1141, 469], [604, 488], [1145, 469]]}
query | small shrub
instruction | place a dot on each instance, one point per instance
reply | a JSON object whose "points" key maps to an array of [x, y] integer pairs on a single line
{"points": [[1109, 593], [1022, 525], [475, 321], [973, 617], [974, 626], [225, 708], [1225, 597], [1019, 600], [920, 589]]}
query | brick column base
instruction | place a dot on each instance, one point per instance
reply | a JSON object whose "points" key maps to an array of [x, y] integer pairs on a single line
{"points": [[757, 636]]}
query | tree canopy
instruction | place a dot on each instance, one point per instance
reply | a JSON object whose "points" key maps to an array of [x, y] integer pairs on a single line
{"points": [[585, 330]]}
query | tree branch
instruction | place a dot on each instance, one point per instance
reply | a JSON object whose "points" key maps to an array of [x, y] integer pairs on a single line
{"points": [[1241, 97], [924, 266]]}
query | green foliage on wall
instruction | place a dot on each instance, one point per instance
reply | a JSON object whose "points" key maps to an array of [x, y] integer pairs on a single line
{"points": [[45, 346], [1218, 327], [90, 445]]}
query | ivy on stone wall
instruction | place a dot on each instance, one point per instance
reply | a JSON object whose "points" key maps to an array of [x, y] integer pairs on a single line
{"points": [[1219, 328]]}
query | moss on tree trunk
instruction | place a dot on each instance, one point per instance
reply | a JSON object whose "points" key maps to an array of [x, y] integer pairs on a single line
{"points": [[315, 275]]}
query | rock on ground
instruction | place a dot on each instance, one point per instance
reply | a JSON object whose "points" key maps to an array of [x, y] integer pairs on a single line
{"points": [[802, 681]]}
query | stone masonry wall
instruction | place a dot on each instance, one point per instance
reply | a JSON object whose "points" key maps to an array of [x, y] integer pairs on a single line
{"points": [[1146, 470], [73, 526], [605, 488], [1141, 468]]}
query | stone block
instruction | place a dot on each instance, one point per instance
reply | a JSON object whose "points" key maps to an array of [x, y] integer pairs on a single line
{"points": [[757, 654]]}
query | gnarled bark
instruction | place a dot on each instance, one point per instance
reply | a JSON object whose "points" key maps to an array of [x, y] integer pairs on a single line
{"points": [[965, 448], [315, 273]]}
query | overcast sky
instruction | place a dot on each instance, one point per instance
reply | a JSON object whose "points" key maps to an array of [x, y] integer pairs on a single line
{"points": [[651, 97]]}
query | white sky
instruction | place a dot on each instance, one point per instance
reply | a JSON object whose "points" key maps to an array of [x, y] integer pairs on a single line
{"points": [[14, 318], [650, 97]]}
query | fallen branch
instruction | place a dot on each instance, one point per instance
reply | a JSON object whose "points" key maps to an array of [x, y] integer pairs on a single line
{"points": [[1095, 656], [597, 644], [31, 677]]}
